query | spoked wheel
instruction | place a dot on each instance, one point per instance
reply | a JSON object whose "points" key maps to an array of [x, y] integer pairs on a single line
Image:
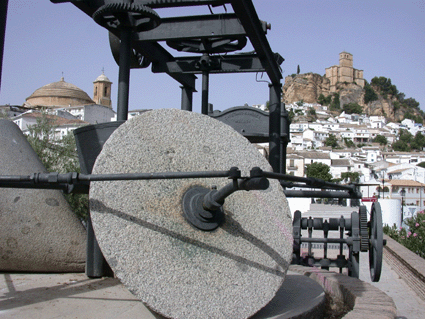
{"points": [[376, 242], [210, 45]]}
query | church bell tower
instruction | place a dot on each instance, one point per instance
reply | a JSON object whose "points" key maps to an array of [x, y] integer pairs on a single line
{"points": [[102, 90]]}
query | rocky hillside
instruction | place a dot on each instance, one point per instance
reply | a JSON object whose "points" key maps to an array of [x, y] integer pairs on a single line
{"points": [[378, 98]]}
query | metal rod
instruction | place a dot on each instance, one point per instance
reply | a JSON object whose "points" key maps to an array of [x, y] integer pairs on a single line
{"points": [[321, 194], [205, 88], [274, 127], [324, 240], [3, 18], [217, 197], [124, 75]]}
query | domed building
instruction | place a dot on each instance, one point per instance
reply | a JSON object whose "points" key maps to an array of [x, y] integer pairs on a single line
{"points": [[62, 94]]}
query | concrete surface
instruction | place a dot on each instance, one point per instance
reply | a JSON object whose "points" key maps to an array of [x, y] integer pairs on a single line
{"points": [[66, 296], [408, 303]]}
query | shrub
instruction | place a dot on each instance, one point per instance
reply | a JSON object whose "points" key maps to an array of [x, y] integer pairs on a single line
{"points": [[414, 237]]}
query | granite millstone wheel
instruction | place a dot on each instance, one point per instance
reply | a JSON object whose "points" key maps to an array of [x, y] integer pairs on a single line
{"points": [[175, 269]]}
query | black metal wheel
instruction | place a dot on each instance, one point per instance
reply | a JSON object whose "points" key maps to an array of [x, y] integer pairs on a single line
{"points": [[364, 231], [127, 15], [209, 45], [376, 242], [138, 61]]}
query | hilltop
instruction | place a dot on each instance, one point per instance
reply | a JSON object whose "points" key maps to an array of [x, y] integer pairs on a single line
{"points": [[379, 97]]}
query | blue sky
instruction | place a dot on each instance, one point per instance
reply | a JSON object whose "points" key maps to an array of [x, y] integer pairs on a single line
{"points": [[386, 38]]}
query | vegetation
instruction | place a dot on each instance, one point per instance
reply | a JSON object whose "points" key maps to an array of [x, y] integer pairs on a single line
{"points": [[414, 237], [384, 86], [370, 94], [351, 108], [382, 140], [407, 142], [58, 155], [324, 100], [421, 164], [352, 177], [331, 141], [349, 142], [319, 170], [335, 104]]}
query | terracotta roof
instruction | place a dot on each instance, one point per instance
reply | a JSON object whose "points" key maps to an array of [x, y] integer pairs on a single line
{"points": [[57, 120], [340, 162], [404, 182], [313, 155], [61, 89]]}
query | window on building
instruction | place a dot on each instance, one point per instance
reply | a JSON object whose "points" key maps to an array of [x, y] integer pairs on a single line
{"points": [[106, 90], [417, 190], [291, 163]]}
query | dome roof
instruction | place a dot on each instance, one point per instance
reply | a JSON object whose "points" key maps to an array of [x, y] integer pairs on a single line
{"points": [[59, 93], [102, 78]]}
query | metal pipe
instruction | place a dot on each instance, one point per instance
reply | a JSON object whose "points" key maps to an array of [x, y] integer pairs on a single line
{"points": [[205, 88], [321, 194], [124, 74], [3, 18], [274, 127]]}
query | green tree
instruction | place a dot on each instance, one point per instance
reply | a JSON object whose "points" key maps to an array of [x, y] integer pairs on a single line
{"points": [[418, 142], [382, 140], [351, 108], [384, 86], [324, 100], [298, 69], [319, 170], [421, 164], [57, 155], [370, 94], [349, 142], [335, 104], [312, 112], [403, 143], [350, 176], [411, 103], [331, 141]]}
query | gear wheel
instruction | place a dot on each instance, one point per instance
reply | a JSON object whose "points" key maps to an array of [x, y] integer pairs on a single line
{"points": [[364, 231], [211, 45], [119, 15]]}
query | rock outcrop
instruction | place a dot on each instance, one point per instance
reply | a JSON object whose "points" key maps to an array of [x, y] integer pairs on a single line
{"points": [[306, 87]]}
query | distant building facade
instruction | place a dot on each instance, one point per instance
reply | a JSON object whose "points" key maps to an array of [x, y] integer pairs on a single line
{"points": [[344, 72]]}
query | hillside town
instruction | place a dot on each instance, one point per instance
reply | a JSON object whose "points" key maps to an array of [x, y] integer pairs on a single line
{"points": [[355, 147]]}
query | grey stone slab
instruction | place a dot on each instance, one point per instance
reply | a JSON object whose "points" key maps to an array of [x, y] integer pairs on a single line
{"points": [[38, 230], [175, 269]]}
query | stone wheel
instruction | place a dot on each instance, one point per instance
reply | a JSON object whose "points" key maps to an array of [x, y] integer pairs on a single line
{"points": [[176, 269]]}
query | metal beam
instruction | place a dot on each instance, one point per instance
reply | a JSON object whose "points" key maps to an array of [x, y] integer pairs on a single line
{"points": [[157, 54], [190, 27], [237, 63], [246, 13]]}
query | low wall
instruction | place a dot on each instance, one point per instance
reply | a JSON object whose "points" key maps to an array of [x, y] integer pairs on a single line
{"points": [[349, 295], [406, 264]]}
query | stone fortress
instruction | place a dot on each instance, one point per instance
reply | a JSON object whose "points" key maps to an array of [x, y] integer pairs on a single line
{"points": [[344, 72], [309, 86]]}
